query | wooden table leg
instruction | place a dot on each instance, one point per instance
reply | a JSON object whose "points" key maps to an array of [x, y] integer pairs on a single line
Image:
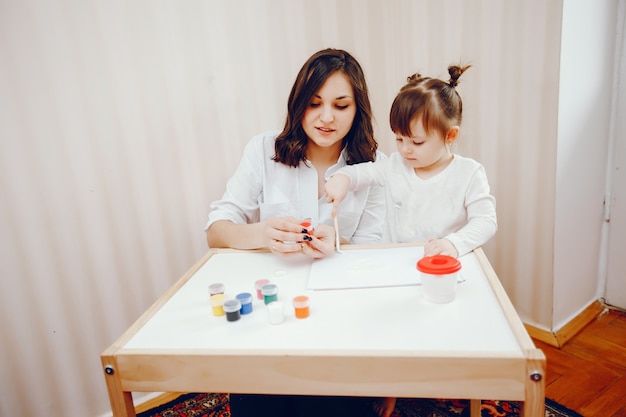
{"points": [[474, 408], [122, 404], [121, 401], [535, 402]]}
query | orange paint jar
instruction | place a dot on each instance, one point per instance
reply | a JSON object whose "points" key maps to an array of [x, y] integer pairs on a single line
{"points": [[301, 306]]}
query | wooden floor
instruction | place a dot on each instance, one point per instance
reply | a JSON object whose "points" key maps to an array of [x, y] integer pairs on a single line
{"points": [[588, 374]]}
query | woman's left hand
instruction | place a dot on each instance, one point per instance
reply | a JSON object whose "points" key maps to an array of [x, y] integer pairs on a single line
{"points": [[322, 243]]}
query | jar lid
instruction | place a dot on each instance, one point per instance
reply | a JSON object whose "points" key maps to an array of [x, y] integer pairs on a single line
{"points": [[244, 297], [258, 284], [301, 301], [216, 288], [438, 265], [269, 289], [275, 306], [230, 306]]}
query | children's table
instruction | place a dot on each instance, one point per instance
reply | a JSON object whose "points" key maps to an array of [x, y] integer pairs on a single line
{"points": [[373, 341]]}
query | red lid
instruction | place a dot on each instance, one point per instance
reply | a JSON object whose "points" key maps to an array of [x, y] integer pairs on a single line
{"points": [[438, 265]]}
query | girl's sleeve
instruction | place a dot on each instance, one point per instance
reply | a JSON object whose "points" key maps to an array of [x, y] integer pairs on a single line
{"points": [[240, 202], [482, 222], [366, 174]]}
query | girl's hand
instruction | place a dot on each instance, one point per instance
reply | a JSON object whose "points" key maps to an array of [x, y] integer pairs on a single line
{"points": [[440, 247], [336, 189]]}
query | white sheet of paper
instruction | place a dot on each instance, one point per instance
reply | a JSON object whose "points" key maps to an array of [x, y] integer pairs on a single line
{"points": [[367, 268]]}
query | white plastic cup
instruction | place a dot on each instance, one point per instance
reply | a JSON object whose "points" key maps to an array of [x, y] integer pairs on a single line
{"points": [[439, 278]]}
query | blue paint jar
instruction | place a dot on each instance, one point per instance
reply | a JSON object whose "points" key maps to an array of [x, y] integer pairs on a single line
{"points": [[245, 298]]}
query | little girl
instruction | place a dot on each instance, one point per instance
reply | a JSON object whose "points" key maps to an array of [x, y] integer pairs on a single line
{"points": [[432, 194]]}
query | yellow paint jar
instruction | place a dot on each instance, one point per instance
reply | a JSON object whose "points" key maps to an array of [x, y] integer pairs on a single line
{"points": [[217, 303]]}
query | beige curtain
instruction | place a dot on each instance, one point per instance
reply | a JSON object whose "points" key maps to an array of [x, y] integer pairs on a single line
{"points": [[121, 121]]}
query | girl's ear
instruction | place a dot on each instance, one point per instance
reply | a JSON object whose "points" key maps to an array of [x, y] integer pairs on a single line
{"points": [[452, 135]]}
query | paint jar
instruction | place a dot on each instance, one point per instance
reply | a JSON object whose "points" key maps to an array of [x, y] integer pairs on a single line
{"points": [[217, 303], [217, 288], [439, 278], [270, 293], [232, 308], [301, 306], [245, 298], [258, 285], [306, 227], [275, 312]]}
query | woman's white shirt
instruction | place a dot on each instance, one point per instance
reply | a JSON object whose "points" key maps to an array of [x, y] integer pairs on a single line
{"points": [[261, 188]]}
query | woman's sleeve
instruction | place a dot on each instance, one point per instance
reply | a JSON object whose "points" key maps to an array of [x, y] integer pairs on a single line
{"points": [[482, 222], [240, 202], [371, 223]]}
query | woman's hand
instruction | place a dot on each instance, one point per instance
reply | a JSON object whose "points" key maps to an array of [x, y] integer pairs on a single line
{"points": [[289, 236], [285, 235], [322, 243], [440, 247]]}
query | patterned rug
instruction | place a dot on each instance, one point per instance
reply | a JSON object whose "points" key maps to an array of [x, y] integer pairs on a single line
{"points": [[216, 405]]}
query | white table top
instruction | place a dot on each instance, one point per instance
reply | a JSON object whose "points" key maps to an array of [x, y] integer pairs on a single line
{"points": [[372, 321]]}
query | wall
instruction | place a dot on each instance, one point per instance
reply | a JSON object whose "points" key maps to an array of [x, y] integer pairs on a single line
{"points": [[121, 121], [585, 100]]}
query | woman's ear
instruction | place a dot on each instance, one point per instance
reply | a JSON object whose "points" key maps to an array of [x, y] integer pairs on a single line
{"points": [[452, 135]]}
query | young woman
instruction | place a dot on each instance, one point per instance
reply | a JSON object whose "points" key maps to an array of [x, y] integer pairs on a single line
{"points": [[280, 183], [280, 180]]}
